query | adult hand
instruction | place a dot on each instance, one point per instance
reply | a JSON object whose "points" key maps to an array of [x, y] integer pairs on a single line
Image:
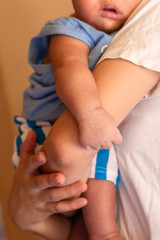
{"points": [[34, 197]]}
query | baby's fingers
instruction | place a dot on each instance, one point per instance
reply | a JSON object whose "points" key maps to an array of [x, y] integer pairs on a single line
{"points": [[117, 138]]}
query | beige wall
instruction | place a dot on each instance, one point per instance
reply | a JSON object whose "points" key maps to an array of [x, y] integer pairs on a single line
{"points": [[19, 21]]}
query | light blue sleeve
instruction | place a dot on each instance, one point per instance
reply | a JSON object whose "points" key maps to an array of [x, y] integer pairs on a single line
{"points": [[72, 27], [68, 26]]}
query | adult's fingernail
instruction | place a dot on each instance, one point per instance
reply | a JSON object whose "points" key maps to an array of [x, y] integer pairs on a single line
{"points": [[82, 202], [81, 188], [40, 158], [59, 179]]}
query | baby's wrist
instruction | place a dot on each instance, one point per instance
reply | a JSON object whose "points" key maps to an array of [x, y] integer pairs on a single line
{"points": [[89, 112]]}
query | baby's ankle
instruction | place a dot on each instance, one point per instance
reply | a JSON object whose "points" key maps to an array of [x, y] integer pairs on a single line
{"points": [[110, 236]]}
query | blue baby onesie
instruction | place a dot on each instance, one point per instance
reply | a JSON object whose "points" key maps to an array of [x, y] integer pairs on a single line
{"points": [[40, 100]]}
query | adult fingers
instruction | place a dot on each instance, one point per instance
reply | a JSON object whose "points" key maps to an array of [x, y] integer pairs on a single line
{"points": [[45, 181], [61, 193], [31, 165], [65, 206], [27, 147]]}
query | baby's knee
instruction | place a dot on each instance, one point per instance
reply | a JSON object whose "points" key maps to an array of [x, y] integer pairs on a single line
{"points": [[68, 158], [60, 155]]}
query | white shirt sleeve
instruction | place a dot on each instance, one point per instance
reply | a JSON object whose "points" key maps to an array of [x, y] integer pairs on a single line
{"points": [[138, 40]]}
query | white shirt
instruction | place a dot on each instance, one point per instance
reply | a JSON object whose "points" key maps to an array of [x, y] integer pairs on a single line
{"points": [[139, 154], [138, 40]]}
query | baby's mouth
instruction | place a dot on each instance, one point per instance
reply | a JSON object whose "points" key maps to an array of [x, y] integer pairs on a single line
{"points": [[110, 11]]}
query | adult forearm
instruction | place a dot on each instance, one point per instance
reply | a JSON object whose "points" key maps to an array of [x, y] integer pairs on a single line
{"points": [[122, 84]]}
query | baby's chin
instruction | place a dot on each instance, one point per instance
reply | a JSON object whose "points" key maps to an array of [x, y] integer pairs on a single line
{"points": [[108, 28]]}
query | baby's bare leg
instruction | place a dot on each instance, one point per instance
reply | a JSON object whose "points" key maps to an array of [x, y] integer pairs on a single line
{"points": [[99, 213], [64, 151]]}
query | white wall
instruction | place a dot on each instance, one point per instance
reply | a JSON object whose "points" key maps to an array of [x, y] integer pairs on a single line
{"points": [[19, 21]]}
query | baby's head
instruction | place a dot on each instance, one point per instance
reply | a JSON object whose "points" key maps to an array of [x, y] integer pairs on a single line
{"points": [[104, 15]]}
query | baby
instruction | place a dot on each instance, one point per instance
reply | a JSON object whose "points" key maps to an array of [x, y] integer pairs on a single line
{"points": [[63, 56]]}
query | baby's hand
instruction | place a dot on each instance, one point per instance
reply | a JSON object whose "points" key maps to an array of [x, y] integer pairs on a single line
{"points": [[98, 130]]}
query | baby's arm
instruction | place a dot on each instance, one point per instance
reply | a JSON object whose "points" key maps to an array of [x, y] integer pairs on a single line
{"points": [[76, 87]]}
